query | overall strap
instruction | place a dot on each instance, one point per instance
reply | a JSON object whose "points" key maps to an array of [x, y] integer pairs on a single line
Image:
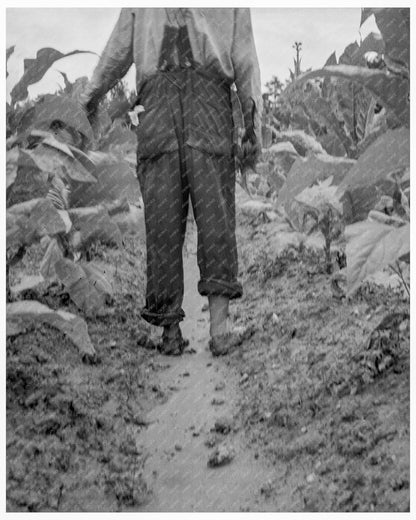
{"points": [[176, 51]]}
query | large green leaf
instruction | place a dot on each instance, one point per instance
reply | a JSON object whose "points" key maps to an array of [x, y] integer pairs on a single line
{"points": [[22, 314], [341, 106], [83, 158], [118, 136], [88, 288], [332, 145], [30, 181], [99, 278], [350, 100], [35, 69], [332, 60], [94, 224], [391, 90], [319, 195], [52, 254], [27, 283], [365, 115], [31, 220], [50, 141], [298, 117], [116, 179], [303, 143], [370, 176], [277, 159], [12, 158], [351, 103], [326, 83], [65, 110], [9, 52], [78, 87], [50, 156], [394, 25], [373, 42], [68, 84], [371, 247], [350, 55], [354, 54], [306, 172], [22, 117], [322, 109]]}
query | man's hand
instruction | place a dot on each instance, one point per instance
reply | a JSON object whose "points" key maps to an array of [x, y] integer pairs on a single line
{"points": [[249, 151], [247, 155]]}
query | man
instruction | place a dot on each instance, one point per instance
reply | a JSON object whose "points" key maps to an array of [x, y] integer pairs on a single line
{"points": [[186, 62]]}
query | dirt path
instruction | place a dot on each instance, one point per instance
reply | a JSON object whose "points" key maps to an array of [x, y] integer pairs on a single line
{"points": [[177, 468], [318, 421]]}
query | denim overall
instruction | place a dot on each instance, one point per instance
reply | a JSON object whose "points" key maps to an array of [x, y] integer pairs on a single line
{"points": [[185, 153]]}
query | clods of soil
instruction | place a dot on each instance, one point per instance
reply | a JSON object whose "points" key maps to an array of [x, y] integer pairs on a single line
{"points": [[73, 429]]}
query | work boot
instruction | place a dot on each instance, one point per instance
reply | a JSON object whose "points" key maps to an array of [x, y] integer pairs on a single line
{"points": [[172, 342]]}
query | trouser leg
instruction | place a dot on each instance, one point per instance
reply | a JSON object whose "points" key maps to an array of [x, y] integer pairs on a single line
{"points": [[165, 197], [212, 187], [197, 121]]}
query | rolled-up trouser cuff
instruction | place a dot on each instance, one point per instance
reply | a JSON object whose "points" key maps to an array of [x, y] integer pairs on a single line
{"points": [[162, 320], [211, 287]]}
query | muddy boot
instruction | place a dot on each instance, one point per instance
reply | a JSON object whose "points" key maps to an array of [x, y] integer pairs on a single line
{"points": [[172, 342]]}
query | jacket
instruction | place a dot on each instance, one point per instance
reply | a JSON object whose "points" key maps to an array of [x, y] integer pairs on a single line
{"points": [[222, 47]]}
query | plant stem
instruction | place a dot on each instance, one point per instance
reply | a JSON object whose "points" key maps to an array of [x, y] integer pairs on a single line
{"points": [[327, 250], [399, 272]]}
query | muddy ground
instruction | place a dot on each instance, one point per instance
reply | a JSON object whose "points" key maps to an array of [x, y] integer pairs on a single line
{"points": [[318, 400], [72, 427], [314, 416]]}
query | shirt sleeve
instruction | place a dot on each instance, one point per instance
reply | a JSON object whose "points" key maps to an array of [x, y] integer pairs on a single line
{"points": [[115, 60], [247, 71]]}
